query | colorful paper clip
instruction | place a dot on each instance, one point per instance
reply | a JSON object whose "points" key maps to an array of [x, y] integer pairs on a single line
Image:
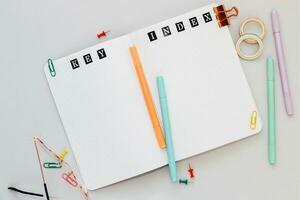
{"points": [[253, 120], [63, 162], [63, 154], [191, 172], [51, 68], [184, 181], [52, 165], [70, 178]]}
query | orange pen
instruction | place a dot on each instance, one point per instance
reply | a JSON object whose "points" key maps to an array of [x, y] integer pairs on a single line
{"points": [[147, 96]]}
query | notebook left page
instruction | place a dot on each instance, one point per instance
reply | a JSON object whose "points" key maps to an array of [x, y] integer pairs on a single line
{"points": [[100, 103]]}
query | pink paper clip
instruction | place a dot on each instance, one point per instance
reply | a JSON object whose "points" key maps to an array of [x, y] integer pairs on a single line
{"points": [[70, 178]]}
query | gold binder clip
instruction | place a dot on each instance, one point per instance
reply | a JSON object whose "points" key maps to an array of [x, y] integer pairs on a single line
{"points": [[223, 16], [253, 120]]}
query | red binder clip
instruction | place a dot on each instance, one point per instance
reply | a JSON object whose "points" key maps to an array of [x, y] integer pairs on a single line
{"points": [[102, 34], [70, 178], [223, 15]]}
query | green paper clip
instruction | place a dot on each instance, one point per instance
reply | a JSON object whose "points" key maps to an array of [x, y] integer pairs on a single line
{"points": [[52, 165], [51, 68]]}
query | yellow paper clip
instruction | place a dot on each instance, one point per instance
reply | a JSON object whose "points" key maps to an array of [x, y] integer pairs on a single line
{"points": [[253, 120], [63, 154]]}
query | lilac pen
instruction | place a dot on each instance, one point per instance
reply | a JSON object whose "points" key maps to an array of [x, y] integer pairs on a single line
{"points": [[281, 63]]}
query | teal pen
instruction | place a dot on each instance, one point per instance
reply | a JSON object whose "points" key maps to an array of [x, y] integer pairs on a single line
{"points": [[167, 127], [271, 112]]}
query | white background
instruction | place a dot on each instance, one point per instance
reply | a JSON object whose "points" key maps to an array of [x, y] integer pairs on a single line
{"points": [[34, 30]]}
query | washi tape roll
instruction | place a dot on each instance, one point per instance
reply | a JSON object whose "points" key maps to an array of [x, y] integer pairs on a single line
{"points": [[257, 21], [256, 54]]}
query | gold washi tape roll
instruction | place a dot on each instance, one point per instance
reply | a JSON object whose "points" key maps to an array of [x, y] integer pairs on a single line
{"points": [[259, 22], [254, 38]]}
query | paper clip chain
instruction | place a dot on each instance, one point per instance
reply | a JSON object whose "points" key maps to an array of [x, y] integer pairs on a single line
{"points": [[61, 161]]}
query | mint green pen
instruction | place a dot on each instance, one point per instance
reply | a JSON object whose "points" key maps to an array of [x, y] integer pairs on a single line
{"points": [[167, 127], [271, 112]]}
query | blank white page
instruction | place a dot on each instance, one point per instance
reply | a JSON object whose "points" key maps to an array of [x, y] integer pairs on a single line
{"points": [[210, 102], [104, 115]]}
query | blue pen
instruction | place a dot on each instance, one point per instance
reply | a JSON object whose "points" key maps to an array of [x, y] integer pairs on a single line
{"points": [[167, 127]]}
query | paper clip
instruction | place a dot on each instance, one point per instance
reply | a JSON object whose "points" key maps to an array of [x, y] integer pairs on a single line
{"points": [[184, 181], [191, 172], [222, 15], [253, 120], [63, 154], [52, 165], [70, 178], [51, 68]]}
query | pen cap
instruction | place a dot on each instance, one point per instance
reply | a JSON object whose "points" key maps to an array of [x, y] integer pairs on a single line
{"points": [[270, 69], [161, 87], [275, 21]]}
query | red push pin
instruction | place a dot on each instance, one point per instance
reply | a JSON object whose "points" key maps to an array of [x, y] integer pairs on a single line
{"points": [[102, 34], [191, 172]]}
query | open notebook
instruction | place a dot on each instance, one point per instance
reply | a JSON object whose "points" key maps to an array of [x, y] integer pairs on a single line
{"points": [[101, 104]]}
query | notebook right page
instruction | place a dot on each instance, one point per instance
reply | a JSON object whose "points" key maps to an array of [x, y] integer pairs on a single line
{"points": [[210, 102]]}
